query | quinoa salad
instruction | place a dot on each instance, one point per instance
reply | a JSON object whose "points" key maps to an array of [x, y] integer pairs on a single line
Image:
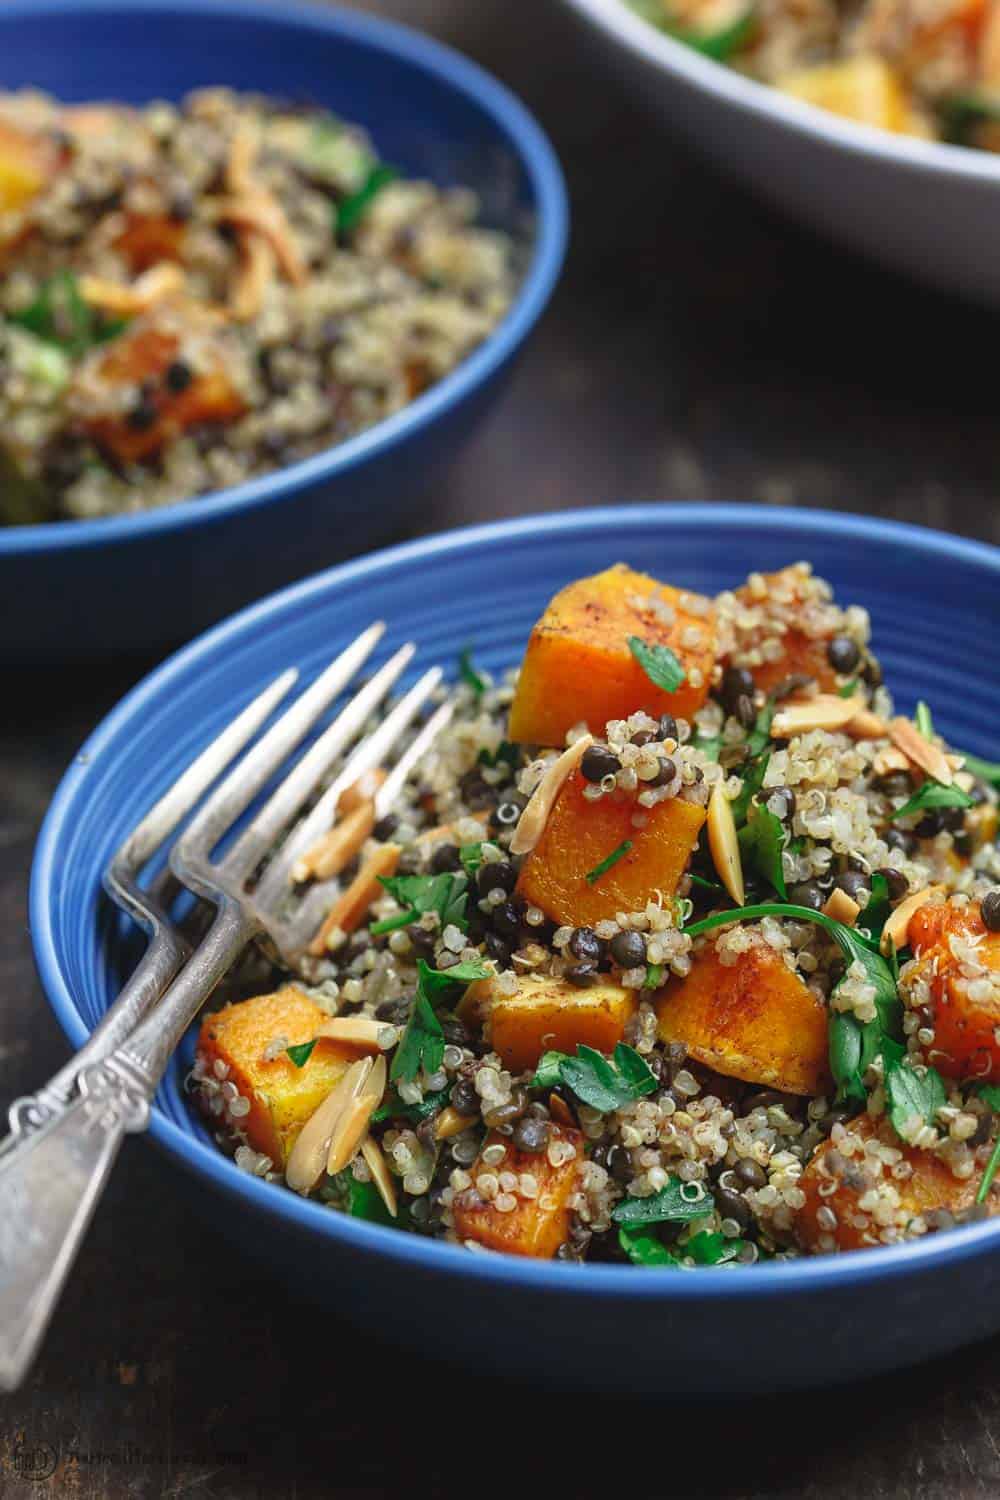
{"points": [[680, 948], [195, 294], [928, 68]]}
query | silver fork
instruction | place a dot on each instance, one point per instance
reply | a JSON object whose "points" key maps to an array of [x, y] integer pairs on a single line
{"points": [[65, 1139]]}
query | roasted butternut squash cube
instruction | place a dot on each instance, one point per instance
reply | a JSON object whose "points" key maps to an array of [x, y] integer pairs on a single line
{"points": [[863, 89], [282, 1096], [140, 358], [842, 1172], [580, 834], [802, 654], [754, 1019], [550, 1014], [958, 967], [578, 666], [536, 1224], [27, 164], [148, 239]]}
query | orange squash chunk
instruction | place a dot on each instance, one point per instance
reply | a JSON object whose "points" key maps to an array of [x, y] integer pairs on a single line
{"points": [[27, 164], [143, 354], [535, 1226], [550, 1014], [965, 1028], [580, 834], [931, 1186], [148, 239], [282, 1097], [803, 655], [754, 1020], [578, 666]]}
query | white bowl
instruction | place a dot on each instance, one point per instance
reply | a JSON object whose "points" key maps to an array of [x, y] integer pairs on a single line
{"points": [[917, 206]]}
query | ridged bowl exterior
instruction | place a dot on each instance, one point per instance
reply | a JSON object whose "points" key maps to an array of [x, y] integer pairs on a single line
{"points": [[136, 582], [934, 607]]}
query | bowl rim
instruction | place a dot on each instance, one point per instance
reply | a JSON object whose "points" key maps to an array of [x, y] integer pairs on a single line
{"points": [[807, 1276], [458, 74], [641, 38]]}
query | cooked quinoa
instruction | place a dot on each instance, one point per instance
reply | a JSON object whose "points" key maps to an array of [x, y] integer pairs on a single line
{"points": [[195, 294], [929, 68], [786, 1044]]}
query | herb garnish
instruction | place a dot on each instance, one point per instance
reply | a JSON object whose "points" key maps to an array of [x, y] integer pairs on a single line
{"points": [[985, 770], [471, 856], [849, 689], [676, 1203], [645, 1249], [710, 1248], [594, 875], [875, 915], [708, 885], [654, 977], [910, 1093], [352, 209], [505, 751], [445, 894], [933, 794], [924, 722], [393, 1107], [990, 1092], [59, 315], [468, 673], [422, 1043], [659, 663], [762, 842], [606, 1084], [301, 1053]]}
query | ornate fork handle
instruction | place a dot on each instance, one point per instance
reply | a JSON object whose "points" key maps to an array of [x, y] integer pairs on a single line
{"points": [[50, 1185]]}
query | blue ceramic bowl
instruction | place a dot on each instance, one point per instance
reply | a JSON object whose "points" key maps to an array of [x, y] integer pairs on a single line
{"points": [[933, 603], [142, 581]]}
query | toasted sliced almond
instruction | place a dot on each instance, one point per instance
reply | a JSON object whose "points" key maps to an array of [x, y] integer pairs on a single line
{"points": [[888, 760], [535, 816], [724, 844], [307, 1160], [362, 791], [867, 726], [153, 286], [350, 909], [898, 924], [256, 271], [842, 908], [381, 1176], [920, 751], [335, 849], [449, 1122], [360, 1031], [260, 210], [825, 711], [352, 1125], [955, 761], [964, 781], [560, 1110], [242, 158]]}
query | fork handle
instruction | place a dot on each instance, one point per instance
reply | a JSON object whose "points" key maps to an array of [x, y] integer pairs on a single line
{"points": [[52, 1179]]}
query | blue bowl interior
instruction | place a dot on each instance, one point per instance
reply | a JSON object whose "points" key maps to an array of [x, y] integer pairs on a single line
{"points": [[932, 601]]}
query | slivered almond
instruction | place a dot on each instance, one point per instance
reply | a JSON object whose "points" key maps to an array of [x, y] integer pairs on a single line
{"points": [[955, 761], [535, 816], [724, 844], [867, 726], [359, 1031], [381, 1176], [825, 711], [256, 271], [261, 211], [352, 1126], [362, 791], [350, 909], [920, 751], [898, 924], [842, 908], [153, 286], [888, 760], [560, 1110], [335, 849], [307, 1160], [242, 158], [449, 1122]]}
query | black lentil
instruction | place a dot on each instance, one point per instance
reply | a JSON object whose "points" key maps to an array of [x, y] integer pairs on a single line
{"points": [[899, 838], [445, 859], [507, 920], [736, 683], [989, 909], [732, 1205], [744, 711], [385, 827], [896, 881], [586, 945], [499, 875], [598, 761], [780, 800], [750, 1173], [582, 975], [853, 883], [531, 1134], [665, 774], [464, 1097], [806, 893], [628, 949], [667, 727], [843, 654], [178, 376]]}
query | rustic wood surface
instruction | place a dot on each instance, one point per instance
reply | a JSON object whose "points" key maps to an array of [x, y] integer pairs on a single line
{"points": [[699, 346]]}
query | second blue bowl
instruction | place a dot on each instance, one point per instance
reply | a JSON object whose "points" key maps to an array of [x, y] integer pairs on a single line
{"points": [[139, 582]]}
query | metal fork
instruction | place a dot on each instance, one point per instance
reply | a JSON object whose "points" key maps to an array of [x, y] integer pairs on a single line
{"points": [[65, 1139]]}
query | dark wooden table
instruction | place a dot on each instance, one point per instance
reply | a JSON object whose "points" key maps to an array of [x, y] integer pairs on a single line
{"points": [[699, 347]]}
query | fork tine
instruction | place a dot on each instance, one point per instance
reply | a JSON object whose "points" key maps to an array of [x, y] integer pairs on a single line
{"points": [[411, 757], [243, 783], [369, 753], [280, 808]]}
